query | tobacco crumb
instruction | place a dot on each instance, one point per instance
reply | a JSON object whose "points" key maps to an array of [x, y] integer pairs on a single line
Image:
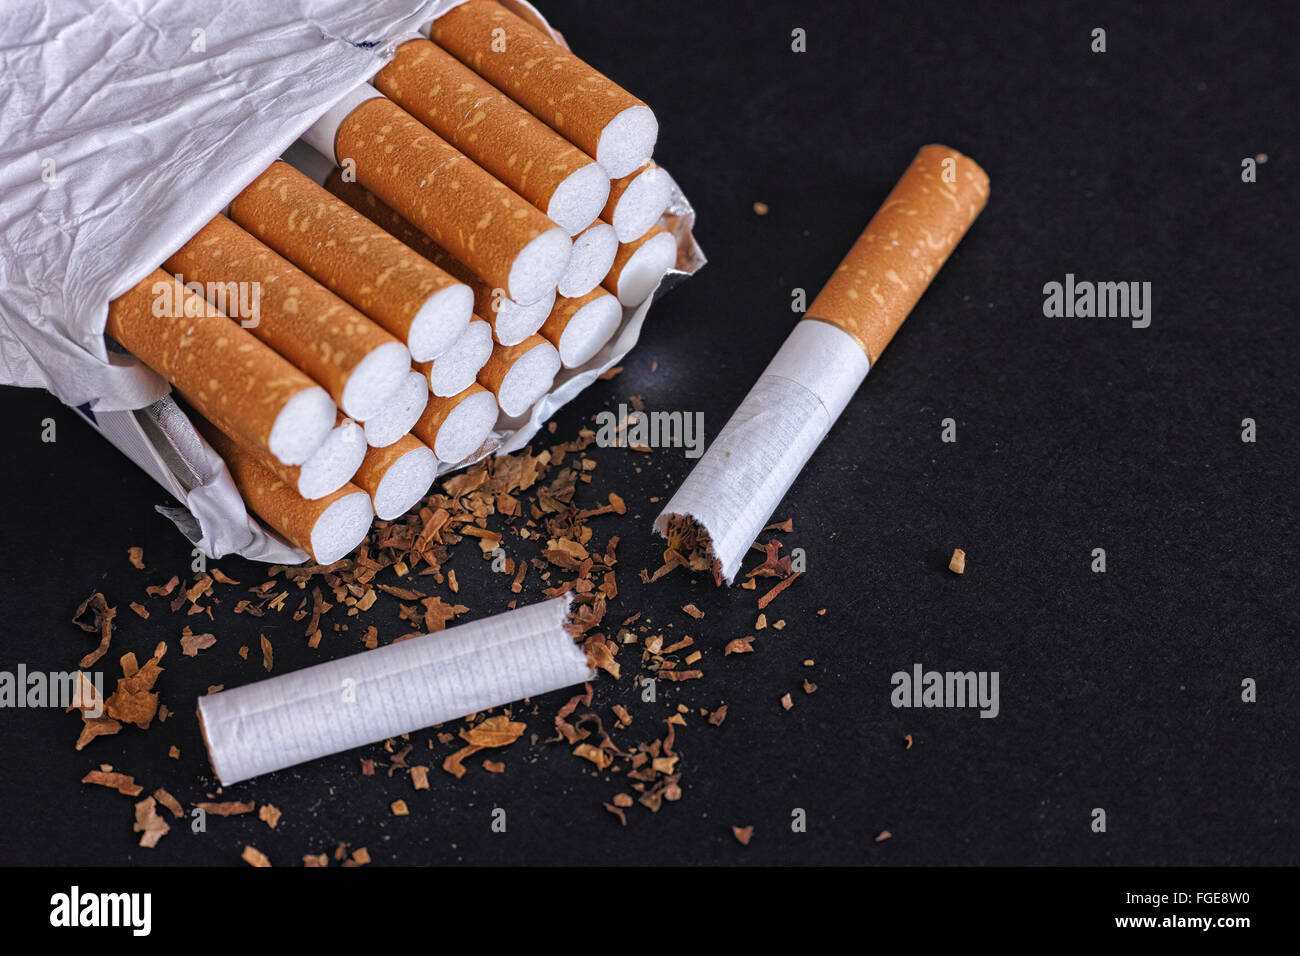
{"points": [[958, 563], [229, 808], [493, 766], [743, 834], [693, 611], [741, 645], [420, 777], [120, 782], [908, 738], [809, 687], [718, 716], [268, 658], [170, 802], [140, 610], [320, 859], [883, 835], [254, 857], [760, 208], [136, 557], [610, 373], [399, 808], [148, 824], [191, 644], [617, 811], [269, 814], [786, 702]]}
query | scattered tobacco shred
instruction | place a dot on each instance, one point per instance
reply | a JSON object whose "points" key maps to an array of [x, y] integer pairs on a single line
{"points": [[743, 834], [136, 557], [958, 563], [229, 808], [269, 814], [254, 857], [120, 782], [94, 615], [883, 835], [148, 823], [170, 802]]}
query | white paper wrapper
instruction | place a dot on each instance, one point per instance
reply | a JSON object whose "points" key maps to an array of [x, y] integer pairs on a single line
{"points": [[125, 128], [736, 486], [392, 690]]}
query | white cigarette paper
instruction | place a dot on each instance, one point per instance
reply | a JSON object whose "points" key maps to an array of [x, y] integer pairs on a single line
{"points": [[392, 690], [734, 489]]}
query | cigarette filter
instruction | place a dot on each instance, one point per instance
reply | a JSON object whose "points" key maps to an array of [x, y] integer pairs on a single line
{"points": [[391, 690], [397, 476], [403, 409], [580, 327], [592, 258], [733, 490], [497, 133], [640, 264], [456, 369], [356, 361], [457, 427], [589, 110], [511, 322], [222, 369], [328, 528], [328, 468], [355, 259], [462, 207], [519, 375], [637, 201]]}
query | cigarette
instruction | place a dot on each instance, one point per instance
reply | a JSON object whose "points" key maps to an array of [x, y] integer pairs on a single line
{"points": [[511, 322], [498, 134], [732, 491], [640, 264], [391, 690], [356, 361], [461, 206], [222, 370], [592, 258], [518, 375], [328, 528], [456, 427], [588, 109], [331, 466], [403, 410], [456, 369], [397, 476], [637, 200], [581, 326], [355, 259]]}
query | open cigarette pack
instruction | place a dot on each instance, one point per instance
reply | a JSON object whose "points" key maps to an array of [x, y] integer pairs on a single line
{"points": [[366, 245]]}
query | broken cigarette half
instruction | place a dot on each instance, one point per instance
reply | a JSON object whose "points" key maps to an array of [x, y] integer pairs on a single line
{"points": [[356, 361], [588, 109], [640, 264], [328, 528], [355, 259], [403, 410], [592, 258], [496, 132], [580, 327], [456, 369], [391, 690], [732, 491], [637, 201], [221, 369], [511, 321], [480, 220], [518, 375], [457, 427], [397, 476]]}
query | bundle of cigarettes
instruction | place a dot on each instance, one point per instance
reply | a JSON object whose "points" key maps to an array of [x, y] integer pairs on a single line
{"points": [[487, 208]]}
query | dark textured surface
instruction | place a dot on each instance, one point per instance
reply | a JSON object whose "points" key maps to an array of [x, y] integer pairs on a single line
{"points": [[1118, 690]]}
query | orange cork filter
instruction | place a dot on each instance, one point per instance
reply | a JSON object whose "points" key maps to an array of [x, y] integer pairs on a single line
{"points": [[355, 259], [356, 361], [328, 528], [221, 369], [457, 426], [511, 322], [518, 375], [588, 109], [497, 133], [465, 209], [397, 476], [902, 248]]}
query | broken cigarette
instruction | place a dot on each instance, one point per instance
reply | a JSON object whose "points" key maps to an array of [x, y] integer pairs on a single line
{"points": [[456, 369], [355, 259], [328, 528], [592, 258], [588, 109], [498, 134], [637, 200], [518, 375], [481, 221], [580, 327], [511, 322], [732, 491], [222, 370], [391, 690], [397, 476], [457, 427], [640, 264], [356, 361], [403, 409]]}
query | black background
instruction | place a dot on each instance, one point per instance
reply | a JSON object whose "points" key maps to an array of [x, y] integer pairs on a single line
{"points": [[1118, 690]]}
